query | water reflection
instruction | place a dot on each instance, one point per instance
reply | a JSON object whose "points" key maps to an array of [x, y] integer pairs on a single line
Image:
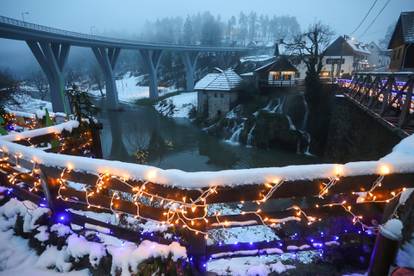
{"points": [[140, 132]]}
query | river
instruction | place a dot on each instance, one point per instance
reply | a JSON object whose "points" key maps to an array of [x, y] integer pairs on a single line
{"points": [[178, 144]]}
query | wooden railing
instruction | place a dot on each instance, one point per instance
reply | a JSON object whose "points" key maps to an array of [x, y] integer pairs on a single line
{"points": [[390, 95], [310, 196]]}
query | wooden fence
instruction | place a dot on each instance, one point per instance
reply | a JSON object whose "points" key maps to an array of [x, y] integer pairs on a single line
{"points": [[308, 204]]}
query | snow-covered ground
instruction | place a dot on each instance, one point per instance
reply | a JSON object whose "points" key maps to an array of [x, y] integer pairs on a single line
{"points": [[17, 258], [183, 103], [130, 90], [27, 103]]}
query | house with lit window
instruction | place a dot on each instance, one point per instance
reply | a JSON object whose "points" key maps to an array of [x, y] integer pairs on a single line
{"points": [[217, 93], [402, 43], [344, 56], [278, 73]]}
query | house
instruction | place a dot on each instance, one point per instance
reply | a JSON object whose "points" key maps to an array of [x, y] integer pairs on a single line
{"points": [[402, 43], [278, 73], [379, 59], [217, 93], [344, 56]]}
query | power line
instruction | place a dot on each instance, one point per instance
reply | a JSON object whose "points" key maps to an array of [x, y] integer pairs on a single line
{"points": [[376, 17], [365, 17]]}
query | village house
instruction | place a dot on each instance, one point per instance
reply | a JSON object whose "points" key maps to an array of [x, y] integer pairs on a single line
{"points": [[402, 43], [379, 59], [278, 73], [217, 93], [344, 56]]}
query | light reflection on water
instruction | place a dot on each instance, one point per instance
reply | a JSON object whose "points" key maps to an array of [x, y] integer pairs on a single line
{"points": [[177, 144]]}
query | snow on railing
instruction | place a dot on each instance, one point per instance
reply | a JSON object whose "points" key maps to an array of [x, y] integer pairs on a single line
{"points": [[400, 160], [40, 113]]}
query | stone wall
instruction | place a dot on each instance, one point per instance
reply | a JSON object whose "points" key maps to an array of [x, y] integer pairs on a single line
{"points": [[355, 135], [217, 103]]}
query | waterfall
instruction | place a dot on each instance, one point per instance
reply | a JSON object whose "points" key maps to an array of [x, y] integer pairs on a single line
{"points": [[291, 125], [306, 151], [281, 106], [250, 136], [306, 115], [235, 137]]}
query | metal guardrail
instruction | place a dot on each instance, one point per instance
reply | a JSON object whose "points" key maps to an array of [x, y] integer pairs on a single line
{"points": [[83, 36]]}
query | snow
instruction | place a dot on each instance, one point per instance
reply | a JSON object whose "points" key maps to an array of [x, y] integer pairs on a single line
{"points": [[68, 126], [17, 258], [405, 255], [125, 255], [28, 104], [183, 103], [129, 89], [257, 58], [392, 229], [79, 247], [61, 229], [129, 256], [405, 195], [226, 80], [261, 265]]}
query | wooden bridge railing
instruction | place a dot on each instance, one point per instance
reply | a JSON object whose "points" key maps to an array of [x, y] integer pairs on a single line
{"points": [[390, 95], [309, 196]]}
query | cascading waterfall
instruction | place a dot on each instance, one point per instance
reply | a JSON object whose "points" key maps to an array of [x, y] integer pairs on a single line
{"points": [[305, 117], [291, 124], [250, 136], [235, 137]]}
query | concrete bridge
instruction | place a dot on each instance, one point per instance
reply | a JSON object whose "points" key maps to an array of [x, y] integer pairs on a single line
{"points": [[51, 46]]}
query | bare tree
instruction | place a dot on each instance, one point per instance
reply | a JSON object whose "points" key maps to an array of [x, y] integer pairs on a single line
{"points": [[310, 47], [40, 82], [96, 76]]}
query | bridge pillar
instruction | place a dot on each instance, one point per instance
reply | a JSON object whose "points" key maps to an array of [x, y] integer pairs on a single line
{"points": [[52, 58], [190, 63], [152, 59], [107, 58]]}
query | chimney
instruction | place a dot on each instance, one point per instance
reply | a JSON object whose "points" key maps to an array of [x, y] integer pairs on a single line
{"points": [[276, 53]]}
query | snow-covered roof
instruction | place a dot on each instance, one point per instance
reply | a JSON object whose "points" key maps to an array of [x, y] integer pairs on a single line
{"points": [[358, 46], [223, 81], [404, 30]]}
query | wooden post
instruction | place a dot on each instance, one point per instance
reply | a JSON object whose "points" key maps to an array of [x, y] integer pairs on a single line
{"points": [[385, 249], [197, 245], [96, 138]]}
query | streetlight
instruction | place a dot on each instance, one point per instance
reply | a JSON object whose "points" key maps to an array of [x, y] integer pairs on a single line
{"points": [[24, 13]]}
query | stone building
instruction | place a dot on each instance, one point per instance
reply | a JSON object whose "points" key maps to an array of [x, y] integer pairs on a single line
{"points": [[217, 93]]}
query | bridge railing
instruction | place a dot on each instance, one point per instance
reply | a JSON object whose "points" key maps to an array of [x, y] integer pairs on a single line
{"points": [[186, 202], [390, 95], [46, 29]]}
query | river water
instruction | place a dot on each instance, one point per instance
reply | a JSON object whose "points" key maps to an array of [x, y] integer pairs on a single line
{"points": [[178, 144]]}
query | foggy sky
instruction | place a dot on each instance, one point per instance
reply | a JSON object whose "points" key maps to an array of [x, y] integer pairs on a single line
{"points": [[129, 16]]}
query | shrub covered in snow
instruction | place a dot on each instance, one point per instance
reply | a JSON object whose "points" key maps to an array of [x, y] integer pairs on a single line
{"points": [[62, 249]]}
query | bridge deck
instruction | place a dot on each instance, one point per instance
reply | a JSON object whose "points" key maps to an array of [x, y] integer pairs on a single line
{"points": [[21, 30]]}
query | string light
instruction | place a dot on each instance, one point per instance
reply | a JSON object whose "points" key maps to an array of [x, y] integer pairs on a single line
{"points": [[189, 213]]}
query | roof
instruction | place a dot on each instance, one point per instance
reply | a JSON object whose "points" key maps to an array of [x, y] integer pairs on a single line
{"points": [[222, 81], [282, 63], [346, 46], [404, 30]]}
